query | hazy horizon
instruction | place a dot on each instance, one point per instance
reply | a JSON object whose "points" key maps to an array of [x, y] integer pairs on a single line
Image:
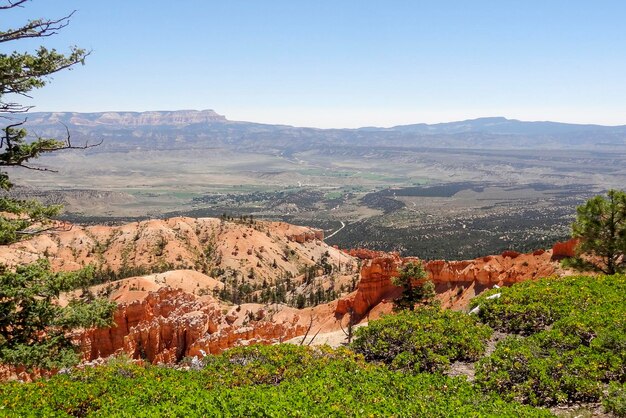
{"points": [[342, 65], [277, 121]]}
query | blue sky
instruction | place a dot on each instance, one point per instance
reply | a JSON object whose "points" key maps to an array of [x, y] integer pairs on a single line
{"points": [[342, 63]]}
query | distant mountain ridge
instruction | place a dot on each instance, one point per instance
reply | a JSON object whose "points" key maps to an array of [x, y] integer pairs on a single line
{"points": [[502, 125], [498, 124], [206, 128], [151, 118]]}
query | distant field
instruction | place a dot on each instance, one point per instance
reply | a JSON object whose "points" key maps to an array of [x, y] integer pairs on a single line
{"points": [[433, 203], [454, 221]]}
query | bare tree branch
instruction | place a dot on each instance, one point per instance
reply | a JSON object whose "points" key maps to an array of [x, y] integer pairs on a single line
{"points": [[349, 332], [313, 339], [68, 141], [12, 3], [36, 28], [16, 153], [29, 167], [13, 108], [306, 334], [61, 226]]}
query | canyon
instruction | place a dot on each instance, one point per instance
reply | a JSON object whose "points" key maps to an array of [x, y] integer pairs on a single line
{"points": [[169, 315]]}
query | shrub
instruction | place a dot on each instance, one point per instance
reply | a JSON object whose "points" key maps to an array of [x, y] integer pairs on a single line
{"points": [[615, 401], [312, 383], [427, 339], [576, 343], [531, 306]]}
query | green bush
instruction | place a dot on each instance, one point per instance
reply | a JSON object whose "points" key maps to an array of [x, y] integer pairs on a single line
{"points": [[523, 370], [615, 401], [577, 341], [532, 306], [327, 383], [260, 364], [427, 339]]}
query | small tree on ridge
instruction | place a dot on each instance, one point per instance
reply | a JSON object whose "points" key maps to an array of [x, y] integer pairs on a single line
{"points": [[415, 288], [601, 227]]}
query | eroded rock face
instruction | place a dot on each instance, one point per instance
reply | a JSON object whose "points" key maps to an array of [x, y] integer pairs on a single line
{"points": [[506, 269], [365, 254], [374, 286], [162, 317], [22, 373], [307, 236], [169, 324], [564, 249], [152, 118]]}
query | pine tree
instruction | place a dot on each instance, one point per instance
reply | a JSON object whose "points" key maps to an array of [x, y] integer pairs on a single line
{"points": [[34, 330], [33, 327], [601, 227], [20, 73], [415, 288]]}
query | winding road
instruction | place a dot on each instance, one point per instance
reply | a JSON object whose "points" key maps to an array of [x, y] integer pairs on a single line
{"points": [[343, 225]]}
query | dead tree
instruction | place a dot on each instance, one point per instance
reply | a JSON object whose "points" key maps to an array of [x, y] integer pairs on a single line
{"points": [[349, 330]]}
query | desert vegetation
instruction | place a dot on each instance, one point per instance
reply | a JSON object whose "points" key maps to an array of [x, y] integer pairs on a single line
{"points": [[426, 340], [564, 345], [568, 343], [257, 381]]}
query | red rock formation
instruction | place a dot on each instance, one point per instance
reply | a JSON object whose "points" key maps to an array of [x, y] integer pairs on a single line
{"points": [[374, 286], [23, 374], [166, 325], [510, 254], [170, 324], [508, 268], [492, 270], [564, 249], [200, 244]]}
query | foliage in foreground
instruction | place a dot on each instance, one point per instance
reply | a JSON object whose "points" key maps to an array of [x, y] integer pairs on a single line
{"points": [[279, 380], [427, 339], [33, 328], [615, 401], [574, 351], [576, 343]]}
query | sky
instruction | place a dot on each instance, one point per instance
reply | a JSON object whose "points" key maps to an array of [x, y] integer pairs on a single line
{"points": [[340, 63]]}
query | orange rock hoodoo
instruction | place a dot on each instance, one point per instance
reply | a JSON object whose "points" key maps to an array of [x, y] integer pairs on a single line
{"points": [[374, 286], [170, 324], [161, 324]]}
